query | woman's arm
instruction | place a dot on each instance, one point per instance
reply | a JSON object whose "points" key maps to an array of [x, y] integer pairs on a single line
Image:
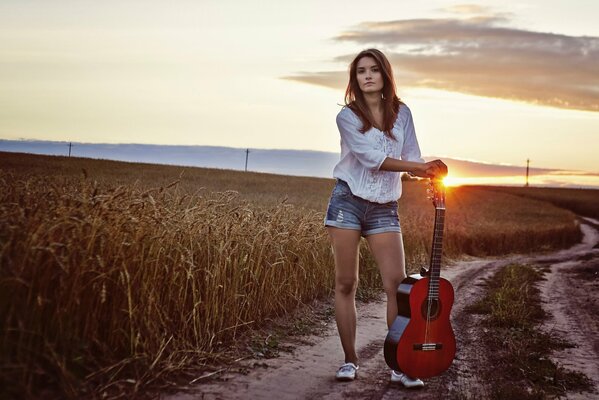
{"points": [[348, 124], [431, 169], [411, 160]]}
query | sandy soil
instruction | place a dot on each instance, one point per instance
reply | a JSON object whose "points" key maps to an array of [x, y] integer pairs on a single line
{"points": [[570, 295]]}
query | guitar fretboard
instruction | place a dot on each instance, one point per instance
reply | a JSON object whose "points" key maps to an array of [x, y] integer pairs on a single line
{"points": [[436, 252]]}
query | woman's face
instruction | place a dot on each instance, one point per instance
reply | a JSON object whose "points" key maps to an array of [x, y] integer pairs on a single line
{"points": [[368, 73]]}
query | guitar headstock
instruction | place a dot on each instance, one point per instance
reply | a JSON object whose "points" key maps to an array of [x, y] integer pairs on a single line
{"points": [[436, 192]]}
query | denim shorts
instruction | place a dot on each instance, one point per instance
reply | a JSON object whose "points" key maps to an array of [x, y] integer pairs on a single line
{"points": [[351, 212]]}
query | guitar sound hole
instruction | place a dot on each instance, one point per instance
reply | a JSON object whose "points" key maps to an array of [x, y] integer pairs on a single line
{"points": [[431, 313]]}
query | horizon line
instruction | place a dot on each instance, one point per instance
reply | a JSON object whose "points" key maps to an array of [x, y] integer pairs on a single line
{"points": [[486, 163]]}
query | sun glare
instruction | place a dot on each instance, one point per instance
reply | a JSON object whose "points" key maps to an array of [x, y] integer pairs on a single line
{"points": [[450, 181]]}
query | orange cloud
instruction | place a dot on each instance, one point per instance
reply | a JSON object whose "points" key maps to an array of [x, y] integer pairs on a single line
{"points": [[475, 55], [464, 168], [465, 172]]}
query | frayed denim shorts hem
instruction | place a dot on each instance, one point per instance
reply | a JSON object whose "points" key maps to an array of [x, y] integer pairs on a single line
{"points": [[347, 211]]}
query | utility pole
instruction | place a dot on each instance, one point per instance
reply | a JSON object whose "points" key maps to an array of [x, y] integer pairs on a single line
{"points": [[247, 153], [527, 164], [70, 144]]}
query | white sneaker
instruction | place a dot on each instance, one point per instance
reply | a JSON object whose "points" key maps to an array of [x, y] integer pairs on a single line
{"points": [[347, 372], [406, 380]]}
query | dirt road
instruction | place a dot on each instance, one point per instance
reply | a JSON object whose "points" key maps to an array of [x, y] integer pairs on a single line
{"points": [[308, 371]]}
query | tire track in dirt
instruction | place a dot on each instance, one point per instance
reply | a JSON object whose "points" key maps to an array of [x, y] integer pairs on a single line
{"points": [[572, 308], [308, 371]]}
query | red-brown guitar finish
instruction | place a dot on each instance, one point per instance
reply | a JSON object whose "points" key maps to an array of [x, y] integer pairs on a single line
{"points": [[415, 354], [420, 341]]}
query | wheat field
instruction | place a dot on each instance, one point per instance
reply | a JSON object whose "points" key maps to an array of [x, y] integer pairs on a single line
{"points": [[581, 201], [115, 272]]}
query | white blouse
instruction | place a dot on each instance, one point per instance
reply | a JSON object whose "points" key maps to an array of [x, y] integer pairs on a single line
{"points": [[363, 153]]}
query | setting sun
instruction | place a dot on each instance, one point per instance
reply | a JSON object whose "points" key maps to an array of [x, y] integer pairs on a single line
{"points": [[451, 181]]}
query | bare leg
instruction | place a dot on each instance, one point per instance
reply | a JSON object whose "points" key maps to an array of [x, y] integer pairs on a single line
{"points": [[388, 251], [345, 243]]}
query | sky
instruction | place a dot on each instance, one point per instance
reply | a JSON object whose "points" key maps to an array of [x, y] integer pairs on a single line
{"points": [[487, 82]]}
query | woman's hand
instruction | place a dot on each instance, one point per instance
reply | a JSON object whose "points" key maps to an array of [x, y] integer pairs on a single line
{"points": [[432, 169]]}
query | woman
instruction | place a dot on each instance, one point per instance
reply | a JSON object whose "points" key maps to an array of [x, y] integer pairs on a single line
{"points": [[378, 142]]}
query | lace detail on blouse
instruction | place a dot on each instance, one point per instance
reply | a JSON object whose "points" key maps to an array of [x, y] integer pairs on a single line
{"points": [[363, 154]]}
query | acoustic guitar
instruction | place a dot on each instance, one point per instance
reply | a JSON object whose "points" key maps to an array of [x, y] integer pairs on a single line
{"points": [[420, 341]]}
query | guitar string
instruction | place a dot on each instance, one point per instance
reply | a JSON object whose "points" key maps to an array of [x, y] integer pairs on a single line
{"points": [[439, 216]]}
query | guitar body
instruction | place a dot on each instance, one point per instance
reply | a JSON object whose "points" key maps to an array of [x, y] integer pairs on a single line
{"points": [[418, 348]]}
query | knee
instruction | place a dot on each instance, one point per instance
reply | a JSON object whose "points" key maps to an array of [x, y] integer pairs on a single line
{"points": [[391, 286], [346, 285]]}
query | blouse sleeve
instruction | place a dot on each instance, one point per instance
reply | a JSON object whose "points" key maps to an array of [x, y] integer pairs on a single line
{"points": [[410, 150], [357, 143]]}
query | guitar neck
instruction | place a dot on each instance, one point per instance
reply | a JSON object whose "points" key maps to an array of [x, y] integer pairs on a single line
{"points": [[436, 252]]}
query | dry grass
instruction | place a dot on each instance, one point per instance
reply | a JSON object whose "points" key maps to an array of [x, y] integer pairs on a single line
{"points": [[258, 188], [117, 274], [484, 222], [518, 348], [581, 201], [133, 282]]}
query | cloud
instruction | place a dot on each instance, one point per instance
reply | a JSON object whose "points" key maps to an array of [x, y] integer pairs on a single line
{"points": [[470, 172], [459, 167], [577, 173], [476, 55], [466, 9]]}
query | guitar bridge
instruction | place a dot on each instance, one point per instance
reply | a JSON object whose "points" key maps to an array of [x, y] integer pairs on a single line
{"points": [[428, 346]]}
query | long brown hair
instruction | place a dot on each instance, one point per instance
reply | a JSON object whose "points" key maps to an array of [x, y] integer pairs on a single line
{"points": [[354, 98]]}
